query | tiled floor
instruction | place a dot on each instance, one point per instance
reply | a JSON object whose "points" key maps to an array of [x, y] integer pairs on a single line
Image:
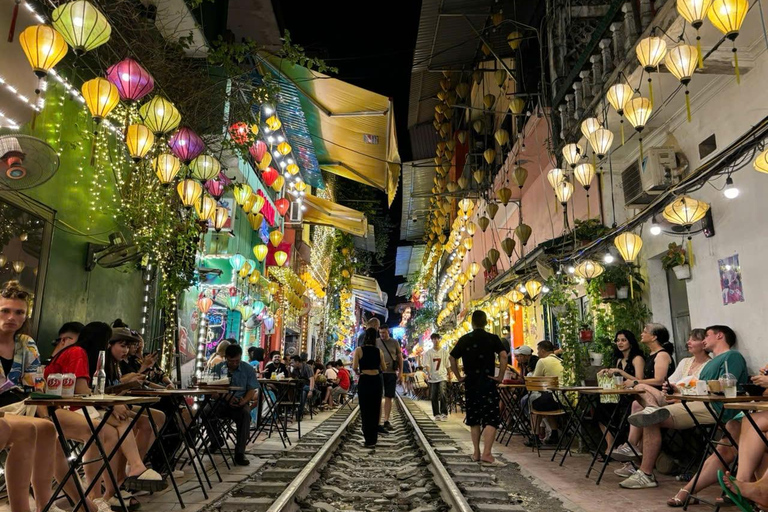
{"points": [[258, 453], [568, 482]]}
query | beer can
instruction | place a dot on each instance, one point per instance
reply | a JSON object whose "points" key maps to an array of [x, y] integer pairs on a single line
{"points": [[54, 384], [68, 385]]}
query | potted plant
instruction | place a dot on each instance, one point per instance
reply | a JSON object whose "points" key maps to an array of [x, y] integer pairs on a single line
{"points": [[676, 259]]}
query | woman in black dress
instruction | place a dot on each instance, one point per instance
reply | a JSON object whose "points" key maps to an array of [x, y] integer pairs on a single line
{"points": [[368, 363]]}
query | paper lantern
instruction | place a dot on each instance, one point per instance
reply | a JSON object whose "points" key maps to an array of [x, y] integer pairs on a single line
{"points": [[274, 123], [186, 144], [43, 46], [508, 246], [502, 137], [277, 186], [523, 233], [466, 205], [205, 207], [257, 150], [300, 186], [685, 211], [504, 194], [246, 312], [273, 288], [533, 287], [242, 192], [266, 162], [650, 52], [284, 148], [292, 169], [629, 245], [282, 205], [255, 276], [189, 191], [516, 106], [572, 153], [638, 112], [681, 61], [519, 175], [280, 258], [515, 296], [489, 100], [555, 176], [204, 304], [204, 167], [160, 115], [493, 255], [483, 222], [258, 307], [514, 39], [220, 217], [166, 167], [82, 25], [564, 191], [589, 269], [255, 220], [250, 202], [133, 82], [589, 125], [584, 174], [601, 141], [101, 97], [694, 12], [260, 251], [727, 16], [489, 155], [761, 162], [275, 237], [258, 203], [237, 261], [139, 140], [239, 132], [269, 176], [233, 301], [618, 96], [492, 209], [215, 187]]}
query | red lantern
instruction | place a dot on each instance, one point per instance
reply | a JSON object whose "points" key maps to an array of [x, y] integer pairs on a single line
{"points": [[282, 205], [269, 176], [257, 150], [239, 132]]}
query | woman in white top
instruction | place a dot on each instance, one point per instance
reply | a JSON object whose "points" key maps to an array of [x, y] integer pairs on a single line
{"points": [[654, 398]]}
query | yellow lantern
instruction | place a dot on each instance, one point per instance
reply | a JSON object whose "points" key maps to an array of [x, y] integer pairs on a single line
{"points": [[189, 191], [255, 220], [761, 162], [489, 155], [82, 25], [254, 277], [533, 287], [589, 125], [471, 228], [250, 202], [650, 52], [618, 96], [501, 136], [516, 106], [300, 186], [589, 269], [258, 203], [564, 191], [466, 205], [101, 97], [205, 207], [515, 296], [601, 141], [205, 167], [166, 167], [727, 16], [638, 112], [514, 39], [681, 61], [462, 279], [43, 46], [274, 123], [242, 193], [503, 303], [474, 269], [629, 245], [685, 211], [273, 288], [468, 243], [284, 148], [277, 186], [572, 154], [266, 161], [139, 140], [694, 12], [275, 237], [292, 169], [160, 115], [220, 217], [243, 273], [260, 251], [584, 174]]}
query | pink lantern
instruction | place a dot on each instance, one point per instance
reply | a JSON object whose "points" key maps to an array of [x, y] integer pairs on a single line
{"points": [[185, 144], [269, 323], [133, 82], [215, 187], [257, 150]]}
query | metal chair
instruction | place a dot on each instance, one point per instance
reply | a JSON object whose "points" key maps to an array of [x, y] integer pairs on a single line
{"points": [[540, 385]]}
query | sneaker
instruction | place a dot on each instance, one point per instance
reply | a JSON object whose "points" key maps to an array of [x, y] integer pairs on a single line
{"points": [[639, 480], [177, 473], [437, 418], [626, 470], [624, 453], [382, 430], [444, 417], [649, 416], [388, 425]]}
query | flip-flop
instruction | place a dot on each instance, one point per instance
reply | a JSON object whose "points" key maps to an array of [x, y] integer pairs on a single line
{"points": [[737, 499], [473, 459], [495, 463]]}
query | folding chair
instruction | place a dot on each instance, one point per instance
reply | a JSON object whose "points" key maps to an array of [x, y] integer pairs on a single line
{"points": [[541, 385]]}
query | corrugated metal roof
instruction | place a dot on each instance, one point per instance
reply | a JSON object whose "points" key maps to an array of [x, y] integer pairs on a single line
{"points": [[367, 243], [424, 139], [408, 259], [417, 184]]}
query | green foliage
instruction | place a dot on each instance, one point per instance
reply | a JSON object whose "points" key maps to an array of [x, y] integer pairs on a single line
{"points": [[560, 300], [589, 230], [675, 256]]}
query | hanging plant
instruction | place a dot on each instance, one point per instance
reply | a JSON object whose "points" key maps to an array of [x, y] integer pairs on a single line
{"points": [[674, 257]]}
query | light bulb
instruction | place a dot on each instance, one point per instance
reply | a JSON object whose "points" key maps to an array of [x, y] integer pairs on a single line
{"points": [[571, 270], [608, 258], [730, 191], [545, 289], [655, 228]]}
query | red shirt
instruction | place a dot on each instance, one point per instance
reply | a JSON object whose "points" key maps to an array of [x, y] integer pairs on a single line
{"points": [[70, 360], [344, 379]]}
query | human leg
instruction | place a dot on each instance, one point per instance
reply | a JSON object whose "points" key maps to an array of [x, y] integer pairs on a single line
{"points": [[443, 398], [751, 448], [241, 417], [434, 397], [19, 474], [145, 437], [369, 399], [475, 431], [753, 491], [389, 381]]}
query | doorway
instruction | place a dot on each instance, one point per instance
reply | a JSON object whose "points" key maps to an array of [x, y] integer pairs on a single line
{"points": [[680, 312]]}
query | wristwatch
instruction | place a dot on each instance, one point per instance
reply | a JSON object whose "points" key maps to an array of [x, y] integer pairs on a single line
{"points": [[634, 382]]}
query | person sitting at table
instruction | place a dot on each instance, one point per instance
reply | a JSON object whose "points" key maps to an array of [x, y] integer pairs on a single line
{"points": [[255, 357], [345, 382], [526, 361], [68, 334], [302, 372], [275, 366], [688, 367], [219, 355], [238, 409], [548, 365], [138, 363], [719, 341], [332, 379], [628, 362]]}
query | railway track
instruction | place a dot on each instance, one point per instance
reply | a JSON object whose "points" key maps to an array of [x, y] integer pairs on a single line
{"points": [[416, 467]]}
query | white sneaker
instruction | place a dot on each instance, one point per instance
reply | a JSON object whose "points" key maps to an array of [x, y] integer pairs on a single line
{"points": [[444, 417], [649, 416], [624, 453], [437, 418], [626, 470], [639, 481]]}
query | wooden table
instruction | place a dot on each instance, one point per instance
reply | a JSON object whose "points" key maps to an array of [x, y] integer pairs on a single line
{"points": [[107, 403], [749, 407]]}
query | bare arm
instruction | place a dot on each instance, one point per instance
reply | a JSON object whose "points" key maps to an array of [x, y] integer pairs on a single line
{"points": [[455, 369], [502, 366], [383, 364], [660, 369], [356, 361]]}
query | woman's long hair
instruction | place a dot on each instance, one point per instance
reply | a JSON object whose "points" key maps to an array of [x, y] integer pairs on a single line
{"points": [[93, 339], [370, 336], [12, 290], [634, 347]]}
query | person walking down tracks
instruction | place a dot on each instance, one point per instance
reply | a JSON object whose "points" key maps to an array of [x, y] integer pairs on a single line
{"points": [[368, 363], [477, 351], [435, 361]]}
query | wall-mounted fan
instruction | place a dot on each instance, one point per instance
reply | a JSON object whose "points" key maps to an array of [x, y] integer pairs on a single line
{"points": [[25, 162], [117, 253]]}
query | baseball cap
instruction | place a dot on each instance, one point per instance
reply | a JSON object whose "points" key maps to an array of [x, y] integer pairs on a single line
{"points": [[125, 334], [523, 350]]}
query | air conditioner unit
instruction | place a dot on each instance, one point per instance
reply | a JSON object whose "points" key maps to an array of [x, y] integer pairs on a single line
{"points": [[642, 183], [294, 213]]}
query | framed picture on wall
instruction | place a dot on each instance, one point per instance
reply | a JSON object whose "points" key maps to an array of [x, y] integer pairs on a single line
{"points": [[730, 280]]}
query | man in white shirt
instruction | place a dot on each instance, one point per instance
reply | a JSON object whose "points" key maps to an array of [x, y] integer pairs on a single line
{"points": [[435, 363]]}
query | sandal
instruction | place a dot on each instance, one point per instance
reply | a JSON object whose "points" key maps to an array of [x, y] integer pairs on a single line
{"points": [[150, 480], [131, 503], [737, 498], [495, 463], [676, 502]]}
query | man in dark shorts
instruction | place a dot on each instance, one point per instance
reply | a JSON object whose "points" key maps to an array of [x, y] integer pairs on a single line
{"points": [[477, 351], [393, 358]]}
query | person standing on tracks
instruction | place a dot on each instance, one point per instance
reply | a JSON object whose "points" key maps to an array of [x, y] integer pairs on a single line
{"points": [[368, 363], [477, 351], [435, 362], [393, 357]]}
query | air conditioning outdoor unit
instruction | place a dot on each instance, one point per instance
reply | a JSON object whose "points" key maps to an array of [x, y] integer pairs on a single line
{"points": [[642, 183], [294, 213]]}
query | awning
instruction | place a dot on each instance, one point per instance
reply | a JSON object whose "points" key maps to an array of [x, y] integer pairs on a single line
{"points": [[322, 212], [369, 295], [409, 259], [353, 129]]}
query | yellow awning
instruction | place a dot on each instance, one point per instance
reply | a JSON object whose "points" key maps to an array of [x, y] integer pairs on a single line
{"points": [[322, 212], [353, 129]]}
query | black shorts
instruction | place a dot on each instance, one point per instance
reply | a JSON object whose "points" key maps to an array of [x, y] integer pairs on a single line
{"points": [[545, 402], [390, 383], [482, 403]]}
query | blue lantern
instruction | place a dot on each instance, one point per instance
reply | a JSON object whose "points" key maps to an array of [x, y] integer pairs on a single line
{"points": [[236, 262], [252, 263], [234, 300], [258, 307]]}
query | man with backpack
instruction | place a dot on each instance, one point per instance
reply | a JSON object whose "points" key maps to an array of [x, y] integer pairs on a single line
{"points": [[393, 359]]}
